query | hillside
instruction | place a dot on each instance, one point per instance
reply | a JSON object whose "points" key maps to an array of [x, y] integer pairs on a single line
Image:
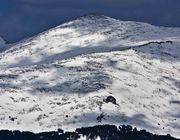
{"points": [[93, 70]]}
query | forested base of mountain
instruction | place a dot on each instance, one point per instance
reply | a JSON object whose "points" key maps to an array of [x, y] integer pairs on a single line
{"points": [[103, 132]]}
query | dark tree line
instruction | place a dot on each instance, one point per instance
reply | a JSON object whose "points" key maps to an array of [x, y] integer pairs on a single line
{"points": [[105, 132]]}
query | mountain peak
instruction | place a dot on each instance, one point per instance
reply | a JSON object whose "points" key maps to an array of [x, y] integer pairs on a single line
{"points": [[94, 16]]}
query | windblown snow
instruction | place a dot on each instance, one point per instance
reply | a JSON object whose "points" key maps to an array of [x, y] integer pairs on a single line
{"points": [[62, 77]]}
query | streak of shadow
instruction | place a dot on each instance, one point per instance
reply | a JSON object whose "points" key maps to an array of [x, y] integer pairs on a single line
{"points": [[121, 118]]}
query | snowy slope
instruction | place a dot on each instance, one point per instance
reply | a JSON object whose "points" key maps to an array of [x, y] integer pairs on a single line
{"points": [[87, 34], [61, 78]]}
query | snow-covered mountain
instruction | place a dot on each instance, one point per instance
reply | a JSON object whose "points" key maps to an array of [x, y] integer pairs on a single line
{"points": [[63, 77]]}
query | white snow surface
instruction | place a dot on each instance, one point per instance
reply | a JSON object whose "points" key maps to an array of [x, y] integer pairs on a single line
{"points": [[61, 77]]}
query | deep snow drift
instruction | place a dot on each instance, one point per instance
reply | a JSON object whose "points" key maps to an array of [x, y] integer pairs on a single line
{"points": [[61, 78]]}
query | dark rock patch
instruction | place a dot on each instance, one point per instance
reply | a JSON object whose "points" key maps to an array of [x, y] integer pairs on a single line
{"points": [[175, 102], [12, 118], [110, 99]]}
